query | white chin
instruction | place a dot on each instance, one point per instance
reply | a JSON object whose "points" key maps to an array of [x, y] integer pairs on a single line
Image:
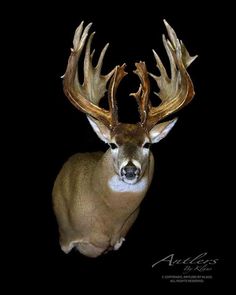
{"points": [[129, 181]]}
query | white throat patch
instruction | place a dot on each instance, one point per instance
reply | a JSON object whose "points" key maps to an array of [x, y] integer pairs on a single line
{"points": [[118, 185]]}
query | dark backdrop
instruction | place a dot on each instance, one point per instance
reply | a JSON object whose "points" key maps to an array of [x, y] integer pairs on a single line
{"points": [[183, 210]]}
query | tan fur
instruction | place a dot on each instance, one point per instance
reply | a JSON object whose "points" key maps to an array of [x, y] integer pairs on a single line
{"points": [[91, 217]]}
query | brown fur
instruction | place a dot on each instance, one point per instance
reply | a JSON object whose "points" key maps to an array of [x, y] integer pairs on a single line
{"points": [[90, 216], [129, 133]]}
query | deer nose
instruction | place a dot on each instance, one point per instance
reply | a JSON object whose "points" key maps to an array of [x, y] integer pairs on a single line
{"points": [[130, 171]]}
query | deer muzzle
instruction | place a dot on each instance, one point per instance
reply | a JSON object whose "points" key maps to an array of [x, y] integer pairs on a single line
{"points": [[130, 173]]}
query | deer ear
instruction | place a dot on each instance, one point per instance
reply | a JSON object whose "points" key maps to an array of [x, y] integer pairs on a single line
{"points": [[100, 129], [159, 131]]}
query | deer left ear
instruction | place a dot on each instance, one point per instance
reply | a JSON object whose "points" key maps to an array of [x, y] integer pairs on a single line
{"points": [[159, 131], [100, 129]]}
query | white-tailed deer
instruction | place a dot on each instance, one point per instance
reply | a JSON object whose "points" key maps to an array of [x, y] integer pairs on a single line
{"points": [[97, 196]]}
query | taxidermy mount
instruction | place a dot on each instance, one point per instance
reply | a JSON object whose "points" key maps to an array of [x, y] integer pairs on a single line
{"points": [[97, 196]]}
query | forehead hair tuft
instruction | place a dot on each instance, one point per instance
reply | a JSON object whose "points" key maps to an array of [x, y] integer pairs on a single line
{"points": [[129, 133]]}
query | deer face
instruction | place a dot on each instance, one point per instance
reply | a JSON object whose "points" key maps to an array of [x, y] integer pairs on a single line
{"points": [[130, 146]]}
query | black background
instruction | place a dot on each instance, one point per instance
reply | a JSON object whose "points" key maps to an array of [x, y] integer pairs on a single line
{"points": [[183, 212]]}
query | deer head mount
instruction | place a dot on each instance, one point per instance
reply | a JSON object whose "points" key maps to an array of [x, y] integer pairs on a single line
{"points": [[97, 197]]}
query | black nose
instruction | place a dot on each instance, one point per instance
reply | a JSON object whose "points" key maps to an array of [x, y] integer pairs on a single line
{"points": [[130, 171]]}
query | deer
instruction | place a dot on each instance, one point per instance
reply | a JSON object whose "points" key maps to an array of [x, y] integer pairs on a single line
{"points": [[97, 196]]}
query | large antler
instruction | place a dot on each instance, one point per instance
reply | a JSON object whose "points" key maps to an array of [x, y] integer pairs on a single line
{"points": [[86, 97], [175, 92]]}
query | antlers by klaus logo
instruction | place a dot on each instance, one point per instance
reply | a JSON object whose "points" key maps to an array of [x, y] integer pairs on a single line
{"points": [[97, 196], [200, 263]]}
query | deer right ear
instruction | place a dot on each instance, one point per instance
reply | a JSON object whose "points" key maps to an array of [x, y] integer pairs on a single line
{"points": [[159, 131], [100, 129]]}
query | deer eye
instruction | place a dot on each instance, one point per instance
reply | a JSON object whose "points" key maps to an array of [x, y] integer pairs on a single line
{"points": [[147, 145], [113, 146]]}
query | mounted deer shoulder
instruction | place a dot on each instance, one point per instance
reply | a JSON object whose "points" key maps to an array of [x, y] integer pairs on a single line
{"points": [[96, 196]]}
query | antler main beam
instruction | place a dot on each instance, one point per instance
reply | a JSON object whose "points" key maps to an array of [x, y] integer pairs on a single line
{"points": [[86, 97], [175, 92]]}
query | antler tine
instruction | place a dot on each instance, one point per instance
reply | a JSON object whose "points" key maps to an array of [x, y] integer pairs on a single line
{"points": [[142, 95], [119, 74], [177, 91], [86, 97], [95, 88]]}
